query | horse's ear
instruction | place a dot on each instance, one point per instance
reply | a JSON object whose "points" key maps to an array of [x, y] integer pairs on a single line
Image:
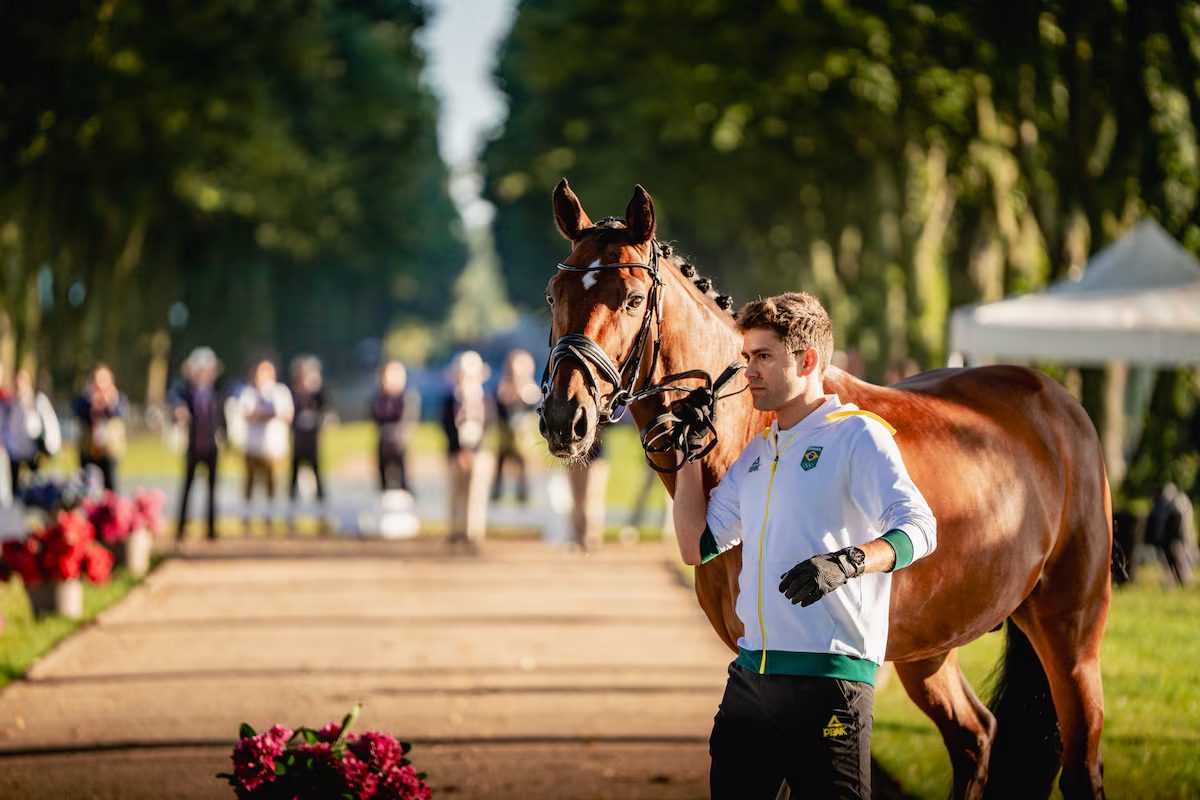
{"points": [[639, 216], [568, 211]]}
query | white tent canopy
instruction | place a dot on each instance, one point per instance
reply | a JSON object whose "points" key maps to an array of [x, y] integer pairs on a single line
{"points": [[1138, 302]]}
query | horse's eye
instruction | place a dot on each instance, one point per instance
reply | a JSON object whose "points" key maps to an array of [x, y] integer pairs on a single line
{"points": [[635, 301], [549, 299]]}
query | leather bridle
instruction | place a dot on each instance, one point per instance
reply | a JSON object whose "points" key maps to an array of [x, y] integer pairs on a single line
{"points": [[663, 434], [596, 363]]}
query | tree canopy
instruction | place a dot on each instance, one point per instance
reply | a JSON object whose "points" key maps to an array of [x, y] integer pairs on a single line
{"points": [[241, 173], [895, 158]]}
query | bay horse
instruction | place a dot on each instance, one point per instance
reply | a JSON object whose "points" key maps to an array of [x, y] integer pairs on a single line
{"points": [[1008, 460]]}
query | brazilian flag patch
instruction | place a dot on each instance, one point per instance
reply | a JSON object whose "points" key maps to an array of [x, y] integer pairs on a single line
{"points": [[811, 456]]}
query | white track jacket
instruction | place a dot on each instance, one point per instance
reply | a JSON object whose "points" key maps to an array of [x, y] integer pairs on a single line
{"points": [[834, 480]]}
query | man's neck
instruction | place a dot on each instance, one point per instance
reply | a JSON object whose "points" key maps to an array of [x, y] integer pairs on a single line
{"points": [[794, 411]]}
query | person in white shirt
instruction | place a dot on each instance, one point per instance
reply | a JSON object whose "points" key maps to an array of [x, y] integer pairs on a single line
{"points": [[266, 407], [29, 428], [825, 511]]}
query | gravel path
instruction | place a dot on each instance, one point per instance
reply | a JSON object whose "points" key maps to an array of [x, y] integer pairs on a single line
{"points": [[519, 672]]}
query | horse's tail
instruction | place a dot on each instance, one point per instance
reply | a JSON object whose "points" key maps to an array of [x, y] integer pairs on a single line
{"points": [[1027, 751]]}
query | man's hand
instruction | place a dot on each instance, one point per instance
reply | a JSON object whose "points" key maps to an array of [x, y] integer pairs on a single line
{"points": [[696, 411], [810, 580]]}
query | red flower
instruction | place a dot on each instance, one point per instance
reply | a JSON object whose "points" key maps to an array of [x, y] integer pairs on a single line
{"points": [[402, 783], [330, 732], [98, 563], [21, 557], [254, 759], [359, 778], [378, 749]]}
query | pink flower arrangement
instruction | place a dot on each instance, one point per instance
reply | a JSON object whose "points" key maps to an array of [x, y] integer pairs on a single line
{"points": [[111, 515], [115, 517], [61, 551], [329, 762], [148, 506]]}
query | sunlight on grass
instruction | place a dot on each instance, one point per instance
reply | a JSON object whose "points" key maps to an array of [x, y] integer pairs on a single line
{"points": [[26, 638]]}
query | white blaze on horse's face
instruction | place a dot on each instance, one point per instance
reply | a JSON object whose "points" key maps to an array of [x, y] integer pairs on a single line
{"points": [[590, 278]]}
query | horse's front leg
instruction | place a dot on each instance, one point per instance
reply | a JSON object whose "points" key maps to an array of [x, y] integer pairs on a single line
{"points": [[939, 688]]}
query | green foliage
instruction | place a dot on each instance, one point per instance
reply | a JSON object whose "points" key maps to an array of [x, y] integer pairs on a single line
{"points": [[268, 164], [1151, 712], [1167, 450], [896, 158]]}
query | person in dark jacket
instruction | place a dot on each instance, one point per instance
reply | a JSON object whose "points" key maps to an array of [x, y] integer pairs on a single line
{"points": [[198, 406], [311, 406], [101, 410], [396, 410]]}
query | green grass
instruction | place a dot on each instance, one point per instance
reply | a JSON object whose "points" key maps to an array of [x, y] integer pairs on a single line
{"points": [[26, 638], [1152, 702]]}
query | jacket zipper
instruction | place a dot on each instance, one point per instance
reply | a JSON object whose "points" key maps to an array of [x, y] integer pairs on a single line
{"points": [[762, 538]]}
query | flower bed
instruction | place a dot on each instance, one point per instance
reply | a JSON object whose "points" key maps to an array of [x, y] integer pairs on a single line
{"points": [[52, 559], [325, 763]]}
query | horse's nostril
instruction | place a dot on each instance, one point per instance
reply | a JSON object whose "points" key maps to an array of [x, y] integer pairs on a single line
{"points": [[580, 428]]}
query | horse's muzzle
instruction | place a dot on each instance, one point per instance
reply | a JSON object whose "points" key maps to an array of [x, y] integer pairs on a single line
{"points": [[568, 426]]}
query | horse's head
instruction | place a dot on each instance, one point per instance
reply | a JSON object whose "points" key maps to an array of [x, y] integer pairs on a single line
{"points": [[604, 298]]}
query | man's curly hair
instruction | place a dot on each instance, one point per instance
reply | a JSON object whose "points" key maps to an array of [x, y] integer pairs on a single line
{"points": [[798, 319]]}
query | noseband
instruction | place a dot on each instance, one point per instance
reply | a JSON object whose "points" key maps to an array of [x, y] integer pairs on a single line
{"points": [[596, 363]]}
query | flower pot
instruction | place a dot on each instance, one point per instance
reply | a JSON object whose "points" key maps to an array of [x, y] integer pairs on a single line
{"points": [[136, 555], [58, 597], [133, 552]]}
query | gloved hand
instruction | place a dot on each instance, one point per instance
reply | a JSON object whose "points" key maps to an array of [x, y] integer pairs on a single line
{"points": [[695, 411], [810, 580]]}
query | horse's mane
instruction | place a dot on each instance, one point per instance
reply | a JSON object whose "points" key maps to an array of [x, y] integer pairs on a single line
{"points": [[669, 253]]}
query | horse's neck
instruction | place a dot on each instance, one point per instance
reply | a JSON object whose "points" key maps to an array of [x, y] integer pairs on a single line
{"points": [[696, 335]]}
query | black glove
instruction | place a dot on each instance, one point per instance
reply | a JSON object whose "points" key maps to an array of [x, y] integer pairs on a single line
{"points": [[810, 580], [695, 411]]}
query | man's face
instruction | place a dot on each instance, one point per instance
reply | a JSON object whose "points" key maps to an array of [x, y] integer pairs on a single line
{"points": [[775, 375]]}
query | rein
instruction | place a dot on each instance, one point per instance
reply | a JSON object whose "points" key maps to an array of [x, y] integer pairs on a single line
{"points": [[667, 431]]}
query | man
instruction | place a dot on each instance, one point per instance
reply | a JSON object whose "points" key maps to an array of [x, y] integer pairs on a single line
{"points": [[825, 476], [198, 406]]}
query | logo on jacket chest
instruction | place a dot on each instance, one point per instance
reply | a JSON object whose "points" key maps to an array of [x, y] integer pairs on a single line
{"points": [[754, 467], [811, 456]]}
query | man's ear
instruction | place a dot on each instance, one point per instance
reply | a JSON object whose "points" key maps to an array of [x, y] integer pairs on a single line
{"points": [[808, 362]]}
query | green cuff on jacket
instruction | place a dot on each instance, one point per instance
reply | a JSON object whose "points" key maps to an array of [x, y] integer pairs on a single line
{"points": [[900, 542], [708, 546]]}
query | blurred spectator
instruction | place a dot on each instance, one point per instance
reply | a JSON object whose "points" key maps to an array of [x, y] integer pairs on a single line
{"points": [[101, 410], [311, 406], [29, 428], [1171, 530], [396, 409], [589, 481], [516, 396], [464, 414], [197, 406], [900, 369], [851, 360], [266, 407]]}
